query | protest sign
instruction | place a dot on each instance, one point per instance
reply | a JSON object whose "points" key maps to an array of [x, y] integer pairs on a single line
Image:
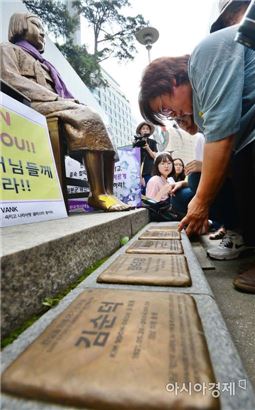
{"points": [[30, 189], [126, 185]]}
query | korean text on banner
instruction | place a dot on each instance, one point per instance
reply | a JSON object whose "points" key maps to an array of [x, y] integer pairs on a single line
{"points": [[127, 184], [30, 189]]}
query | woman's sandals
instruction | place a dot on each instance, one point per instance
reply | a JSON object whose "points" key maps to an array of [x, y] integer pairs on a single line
{"points": [[108, 203]]}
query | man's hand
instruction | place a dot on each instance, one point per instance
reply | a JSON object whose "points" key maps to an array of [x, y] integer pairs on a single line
{"points": [[196, 219], [216, 160], [193, 166]]}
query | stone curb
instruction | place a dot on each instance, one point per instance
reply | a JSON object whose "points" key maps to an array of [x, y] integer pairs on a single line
{"points": [[34, 268]]}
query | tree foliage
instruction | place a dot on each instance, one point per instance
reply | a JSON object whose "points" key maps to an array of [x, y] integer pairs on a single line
{"points": [[85, 64], [58, 21], [54, 15], [113, 33]]}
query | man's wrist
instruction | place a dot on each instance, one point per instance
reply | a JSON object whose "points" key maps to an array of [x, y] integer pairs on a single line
{"points": [[204, 198]]}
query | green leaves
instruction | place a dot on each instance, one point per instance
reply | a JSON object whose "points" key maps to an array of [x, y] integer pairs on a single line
{"points": [[112, 30], [113, 33], [54, 15], [85, 64], [50, 302]]}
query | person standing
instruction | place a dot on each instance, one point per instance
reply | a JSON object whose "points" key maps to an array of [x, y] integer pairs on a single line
{"points": [[148, 152]]}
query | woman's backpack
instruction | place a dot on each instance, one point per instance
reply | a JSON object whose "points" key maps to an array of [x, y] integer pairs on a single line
{"points": [[162, 211]]}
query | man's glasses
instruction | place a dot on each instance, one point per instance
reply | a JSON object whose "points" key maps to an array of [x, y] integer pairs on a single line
{"points": [[167, 113], [171, 115]]}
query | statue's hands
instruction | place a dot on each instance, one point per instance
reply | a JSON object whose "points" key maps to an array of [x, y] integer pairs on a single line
{"points": [[74, 100], [69, 99]]}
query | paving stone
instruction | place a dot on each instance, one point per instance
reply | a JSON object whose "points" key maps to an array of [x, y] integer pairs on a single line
{"points": [[160, 233], [225, 360], [204, 261], [154, 246], [199, 284], [119, 349], [161, 270]]}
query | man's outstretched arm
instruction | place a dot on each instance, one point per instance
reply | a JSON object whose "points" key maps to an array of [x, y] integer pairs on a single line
{"points": [[214, 170]]}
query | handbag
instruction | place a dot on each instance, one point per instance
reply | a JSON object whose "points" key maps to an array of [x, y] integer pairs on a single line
{"points": [[162, 211]]}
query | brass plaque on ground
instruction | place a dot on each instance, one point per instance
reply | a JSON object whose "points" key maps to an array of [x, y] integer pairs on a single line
{"points": [[114, 349], [164, 270], [156, 246], [160, 234], [164, 227]]}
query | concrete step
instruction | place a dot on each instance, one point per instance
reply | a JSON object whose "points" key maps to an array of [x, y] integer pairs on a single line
{"points": [[40, 260]]}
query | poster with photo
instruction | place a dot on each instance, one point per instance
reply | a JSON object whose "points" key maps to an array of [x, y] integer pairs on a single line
{"points": [[126, 184]]}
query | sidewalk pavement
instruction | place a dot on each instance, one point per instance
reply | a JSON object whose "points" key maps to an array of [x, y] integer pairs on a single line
{"points": [[237, 308]]}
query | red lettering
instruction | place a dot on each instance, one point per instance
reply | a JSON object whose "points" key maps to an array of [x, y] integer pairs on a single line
{"points": [[6, 117]]}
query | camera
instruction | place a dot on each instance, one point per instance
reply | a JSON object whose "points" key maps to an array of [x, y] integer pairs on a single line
{"points": [[140, 140], [246, 31]]}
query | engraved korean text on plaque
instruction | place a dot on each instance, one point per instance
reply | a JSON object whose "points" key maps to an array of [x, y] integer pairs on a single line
{"points": [[111, 347]]}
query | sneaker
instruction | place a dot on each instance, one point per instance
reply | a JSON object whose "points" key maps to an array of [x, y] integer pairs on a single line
{"points": [[229, 248]]}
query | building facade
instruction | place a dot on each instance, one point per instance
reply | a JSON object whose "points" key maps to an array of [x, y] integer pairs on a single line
{"points": [[117, 108]]}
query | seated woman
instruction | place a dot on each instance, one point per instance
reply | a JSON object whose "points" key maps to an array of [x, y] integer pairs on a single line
{"points": [[186, 185], [161, 184], [160, 188], [24, 68], [179, 173]]}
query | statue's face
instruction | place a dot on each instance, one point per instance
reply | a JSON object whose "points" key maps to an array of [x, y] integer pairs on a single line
{"points": [[35, 33]]}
